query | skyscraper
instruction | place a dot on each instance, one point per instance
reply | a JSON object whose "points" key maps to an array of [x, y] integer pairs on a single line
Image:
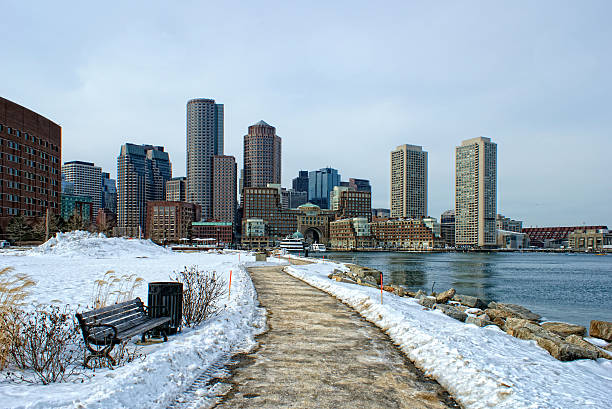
{"points": [[476, 193], [409, 182], [360, 185], [300, 183], [176, 189], [204, 140], [87, 180], [320, 184], [262, 156], [109, 193], [225, 175], [142, 173]]}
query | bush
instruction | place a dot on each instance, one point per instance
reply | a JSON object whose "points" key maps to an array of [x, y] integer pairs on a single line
{"points": [[202, 291]]}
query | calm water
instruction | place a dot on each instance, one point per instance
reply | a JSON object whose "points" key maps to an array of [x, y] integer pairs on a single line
{"points": [[573, 288]]}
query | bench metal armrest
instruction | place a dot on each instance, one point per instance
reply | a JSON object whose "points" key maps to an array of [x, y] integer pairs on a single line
{"points": [[155, 307], [107, 326]]}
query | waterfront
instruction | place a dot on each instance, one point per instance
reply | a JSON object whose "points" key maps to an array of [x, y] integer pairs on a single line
{"points": [[573, 288]]}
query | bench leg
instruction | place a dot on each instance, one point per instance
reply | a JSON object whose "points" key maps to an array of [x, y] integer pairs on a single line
{"points": [[100, 353]]}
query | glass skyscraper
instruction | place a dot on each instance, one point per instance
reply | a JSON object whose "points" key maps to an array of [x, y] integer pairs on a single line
{"points": [[320, 184]]}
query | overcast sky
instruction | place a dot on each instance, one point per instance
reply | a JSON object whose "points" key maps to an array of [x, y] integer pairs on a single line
{"points": [[343, 84]]}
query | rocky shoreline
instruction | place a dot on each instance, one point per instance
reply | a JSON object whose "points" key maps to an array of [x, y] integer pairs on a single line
{"points": [[563, 341]]}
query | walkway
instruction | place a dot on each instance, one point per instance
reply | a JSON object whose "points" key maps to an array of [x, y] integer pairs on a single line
{"points": [[319, 353]]}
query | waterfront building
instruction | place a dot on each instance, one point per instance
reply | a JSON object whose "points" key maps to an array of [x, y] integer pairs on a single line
{"points": [[507, 239], [142, 173], [224, 188], [408, 182], [434, 226], [447, 227], [300, 183], [360, 185], [476, 193], [350, 234], [402, 234], [381, 213], [176, 189], [80, 205], [30, 176], [334, 197], [204, 140], [254, 234], [262, 156], [320, 184], [599, 240], [554, 237], [169, 222], [506, 223], [109, 193], [86, 179], [354, 204], [221, 232]]}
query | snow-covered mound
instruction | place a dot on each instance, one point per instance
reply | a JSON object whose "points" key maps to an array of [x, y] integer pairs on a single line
{"points": [[96, 245]]}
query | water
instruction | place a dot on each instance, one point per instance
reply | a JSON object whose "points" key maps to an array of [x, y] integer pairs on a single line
{"points": [[575, 288]]}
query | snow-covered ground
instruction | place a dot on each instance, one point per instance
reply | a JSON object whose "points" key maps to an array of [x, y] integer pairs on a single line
{"points": [[65, 269], [480, 367]]}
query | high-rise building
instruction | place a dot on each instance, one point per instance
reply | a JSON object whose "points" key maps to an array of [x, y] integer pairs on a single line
{"points": [[447, 227], [224, 188], [508, 224], [409, 182], [142, 173], [300, 183], [360, 185], [320, 184], [204, 140], [87, 180], [176, 189], [109, 193], [476, 193], [353, 203], [31, 151], [262, 156]]}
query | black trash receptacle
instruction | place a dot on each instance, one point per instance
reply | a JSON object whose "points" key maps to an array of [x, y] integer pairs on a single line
{"points": [[169, 295]]}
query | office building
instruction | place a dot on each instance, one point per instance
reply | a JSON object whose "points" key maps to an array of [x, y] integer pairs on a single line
{"points": [[204, 140], [409, 182], [87, 180], [447, 228], [79, 205], [300, 183], [381, 213], [476, 193], [507, 224], [320, 184], [142, 173], [169, 222], [350, 234], [224, 188], [176, 189], [109, 193], [585, 239], [30, 176], [220, 233], [360, 185], [404, 234], [262, 156], [354, 204]]}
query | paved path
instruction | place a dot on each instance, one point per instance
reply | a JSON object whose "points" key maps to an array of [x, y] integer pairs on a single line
{"points": [[319, 353]]}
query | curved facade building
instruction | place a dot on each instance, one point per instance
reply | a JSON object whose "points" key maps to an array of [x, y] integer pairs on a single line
{"points": [[204, 140], [30, 163], [262, 156]]}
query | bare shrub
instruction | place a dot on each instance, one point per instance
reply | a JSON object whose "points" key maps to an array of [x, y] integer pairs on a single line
{"points": [[122, 354], [45, 344], [114, 289], [202, 291]]}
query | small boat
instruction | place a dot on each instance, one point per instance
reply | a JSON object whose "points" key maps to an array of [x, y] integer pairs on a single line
{"points": [[293, 243], [318, 247]]}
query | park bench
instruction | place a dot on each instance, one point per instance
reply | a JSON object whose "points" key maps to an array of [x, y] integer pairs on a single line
{"points": [[106, 327]]}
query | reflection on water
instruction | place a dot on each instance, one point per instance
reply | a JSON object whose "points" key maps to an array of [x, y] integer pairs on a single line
{"points": [[558, 286]]}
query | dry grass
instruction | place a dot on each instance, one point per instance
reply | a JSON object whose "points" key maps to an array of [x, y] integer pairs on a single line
{"points": [[14, 289], [113, 289]]}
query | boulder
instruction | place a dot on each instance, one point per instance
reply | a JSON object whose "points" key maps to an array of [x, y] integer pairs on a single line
{"points": [[495, 313], [452, 312], [515, 311], [601, 329], [500, 322], [427, 302], [444, 297], [564, 329], [419, 294], [481, 321], [578, 341], [470, 301], [554, 344], [411, 294]]}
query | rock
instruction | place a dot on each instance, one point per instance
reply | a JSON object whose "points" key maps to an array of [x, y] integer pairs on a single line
{"points": [[601, 329], [478, 321], [515, 311], [397, 290], [554, 344], [578, 341], [452, 312], [500, 322], [444, 297], [419, 294], [427, 302], [470, 301], [494, 313], [564, 329], [411, 294]]}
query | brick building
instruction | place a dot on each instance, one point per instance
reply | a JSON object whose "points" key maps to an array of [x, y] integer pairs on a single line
{"points": [[220, 231], [170, 221], [262, 156], [224, 188], [355, 204], [349, 234], [554, 236], [403, 234]]}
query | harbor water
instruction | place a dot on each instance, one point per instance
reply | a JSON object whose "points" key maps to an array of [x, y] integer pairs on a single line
{"points": [[574, 288]]}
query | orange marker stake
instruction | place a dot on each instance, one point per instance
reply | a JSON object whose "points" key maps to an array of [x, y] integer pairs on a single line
{"points": [[238, 257], [381, 287], [229, 292]]}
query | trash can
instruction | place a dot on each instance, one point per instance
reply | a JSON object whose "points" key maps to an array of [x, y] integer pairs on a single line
{"points": [[166, 300]]}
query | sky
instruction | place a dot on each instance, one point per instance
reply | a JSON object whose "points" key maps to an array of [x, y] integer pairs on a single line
{"points": [[343, 82]]}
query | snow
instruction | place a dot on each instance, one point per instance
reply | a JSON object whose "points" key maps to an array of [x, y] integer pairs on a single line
{"points": [[480, 367], [65, 269]]}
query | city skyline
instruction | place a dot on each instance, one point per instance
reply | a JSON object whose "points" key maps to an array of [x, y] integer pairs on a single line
{"points": [[515, 86]]}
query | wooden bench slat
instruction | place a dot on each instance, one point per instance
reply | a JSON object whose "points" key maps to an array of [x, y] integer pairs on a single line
{"points": [[152, 323], [89, 319], [102, 310]]}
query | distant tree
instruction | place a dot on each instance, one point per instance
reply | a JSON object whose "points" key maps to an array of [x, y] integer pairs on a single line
{"points": [[40, 228], [18, 229], [76, 222]]}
